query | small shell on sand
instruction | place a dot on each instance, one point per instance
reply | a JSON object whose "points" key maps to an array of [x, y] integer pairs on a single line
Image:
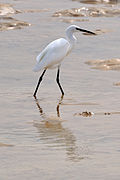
{"points": [[85, 114], [89, 114]]}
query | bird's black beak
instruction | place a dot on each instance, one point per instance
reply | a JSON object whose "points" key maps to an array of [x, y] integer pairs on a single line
{"points": [[86, 31]]}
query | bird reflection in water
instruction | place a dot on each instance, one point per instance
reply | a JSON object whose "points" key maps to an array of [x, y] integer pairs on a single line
{"points": [[54, 135]]}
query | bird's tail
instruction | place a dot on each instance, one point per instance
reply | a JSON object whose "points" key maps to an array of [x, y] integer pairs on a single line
{"points": [[36, 68]]}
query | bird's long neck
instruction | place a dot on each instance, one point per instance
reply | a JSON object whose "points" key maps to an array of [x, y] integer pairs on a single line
{"points": [[70, 37]]}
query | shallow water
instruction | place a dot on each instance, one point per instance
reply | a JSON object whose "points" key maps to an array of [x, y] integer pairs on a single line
{"points": [[53, 138]]}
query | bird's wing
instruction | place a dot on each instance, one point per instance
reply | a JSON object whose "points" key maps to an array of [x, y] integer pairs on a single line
{"points": [[52, 54], [41, 55]]}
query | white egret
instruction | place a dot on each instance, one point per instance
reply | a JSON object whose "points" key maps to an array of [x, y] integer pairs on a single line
{"points": [[52, 56]]}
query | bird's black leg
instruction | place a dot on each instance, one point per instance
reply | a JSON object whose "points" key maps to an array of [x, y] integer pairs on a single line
{"points": [[40, 79], [57, 79]]}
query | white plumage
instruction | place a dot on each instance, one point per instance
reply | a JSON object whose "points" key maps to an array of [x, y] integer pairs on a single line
{"points": [[52, 56]]}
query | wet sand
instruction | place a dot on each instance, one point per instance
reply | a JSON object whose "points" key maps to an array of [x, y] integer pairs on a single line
{"points": [[76, 137]]}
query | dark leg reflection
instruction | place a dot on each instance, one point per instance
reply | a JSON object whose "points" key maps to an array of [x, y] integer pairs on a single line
{"points": [[58, 106], [54, 135]]}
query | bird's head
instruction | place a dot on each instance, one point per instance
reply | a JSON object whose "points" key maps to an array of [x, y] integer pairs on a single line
{"points": [[73, 28]]}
